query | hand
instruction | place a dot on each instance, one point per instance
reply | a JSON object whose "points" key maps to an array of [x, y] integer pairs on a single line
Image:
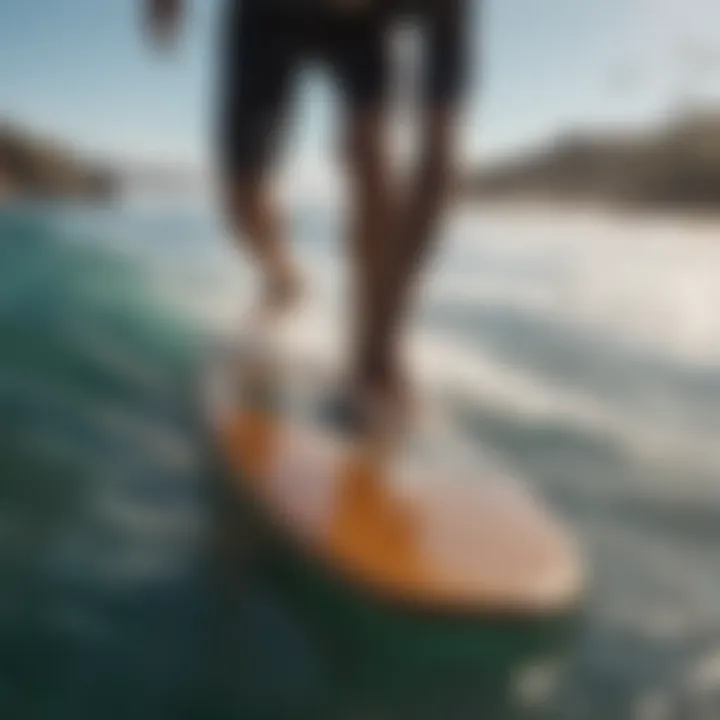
{"points": [[164, 18]]}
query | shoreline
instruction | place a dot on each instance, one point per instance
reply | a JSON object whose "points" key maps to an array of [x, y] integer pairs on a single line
{"points": [[702, 220]]}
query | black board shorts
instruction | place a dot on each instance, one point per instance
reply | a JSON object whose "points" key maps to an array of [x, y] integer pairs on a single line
{"points": [[266, 43]]}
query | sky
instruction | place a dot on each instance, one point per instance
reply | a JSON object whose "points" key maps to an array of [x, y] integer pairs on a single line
{"points": [[82, 70]]}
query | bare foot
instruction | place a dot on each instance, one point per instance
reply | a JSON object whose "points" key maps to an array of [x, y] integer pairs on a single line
{"points": [[283, 289], [373, 409], [386, 405]]}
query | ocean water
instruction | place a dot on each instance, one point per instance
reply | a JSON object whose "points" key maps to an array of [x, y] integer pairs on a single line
{"points": [[580, 349]]}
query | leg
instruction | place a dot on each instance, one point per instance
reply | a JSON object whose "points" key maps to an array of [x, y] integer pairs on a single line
{"points": [[362, 63], [429, 189], [261, 54], [418, 218], [254, 216], [372, 194]]}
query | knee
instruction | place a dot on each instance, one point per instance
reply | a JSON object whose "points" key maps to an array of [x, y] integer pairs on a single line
{"points": [[438, 155], [244, 200], [365, 156]]}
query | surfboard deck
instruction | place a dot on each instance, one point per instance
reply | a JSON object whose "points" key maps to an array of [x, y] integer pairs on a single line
{"points": [[418, 524]]}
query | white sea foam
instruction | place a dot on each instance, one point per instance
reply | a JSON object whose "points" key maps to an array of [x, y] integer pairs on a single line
{"points": [[644, 285]]}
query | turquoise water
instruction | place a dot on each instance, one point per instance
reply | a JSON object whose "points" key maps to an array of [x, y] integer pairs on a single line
{"points": [[581, 351]]}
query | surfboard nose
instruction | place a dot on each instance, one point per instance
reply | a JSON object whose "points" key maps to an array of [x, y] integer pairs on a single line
{"points": [[558, 580], [459, 545]]}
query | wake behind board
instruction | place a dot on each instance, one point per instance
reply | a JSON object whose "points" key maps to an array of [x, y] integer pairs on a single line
{"points": [[423, 524]]}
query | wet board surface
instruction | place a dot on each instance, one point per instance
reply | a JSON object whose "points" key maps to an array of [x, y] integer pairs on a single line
{"points": [[424, 522]]}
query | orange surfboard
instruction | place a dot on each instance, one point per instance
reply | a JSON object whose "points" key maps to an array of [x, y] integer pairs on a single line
{"points": [[415, 522]]}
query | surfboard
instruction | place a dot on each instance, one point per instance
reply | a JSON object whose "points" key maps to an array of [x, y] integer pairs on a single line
{"points": [[418, 521], [413, 554]]}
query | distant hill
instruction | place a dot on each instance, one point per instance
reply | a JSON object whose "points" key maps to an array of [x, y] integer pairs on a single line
{"points": [[678, 164], [39, 168]]}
